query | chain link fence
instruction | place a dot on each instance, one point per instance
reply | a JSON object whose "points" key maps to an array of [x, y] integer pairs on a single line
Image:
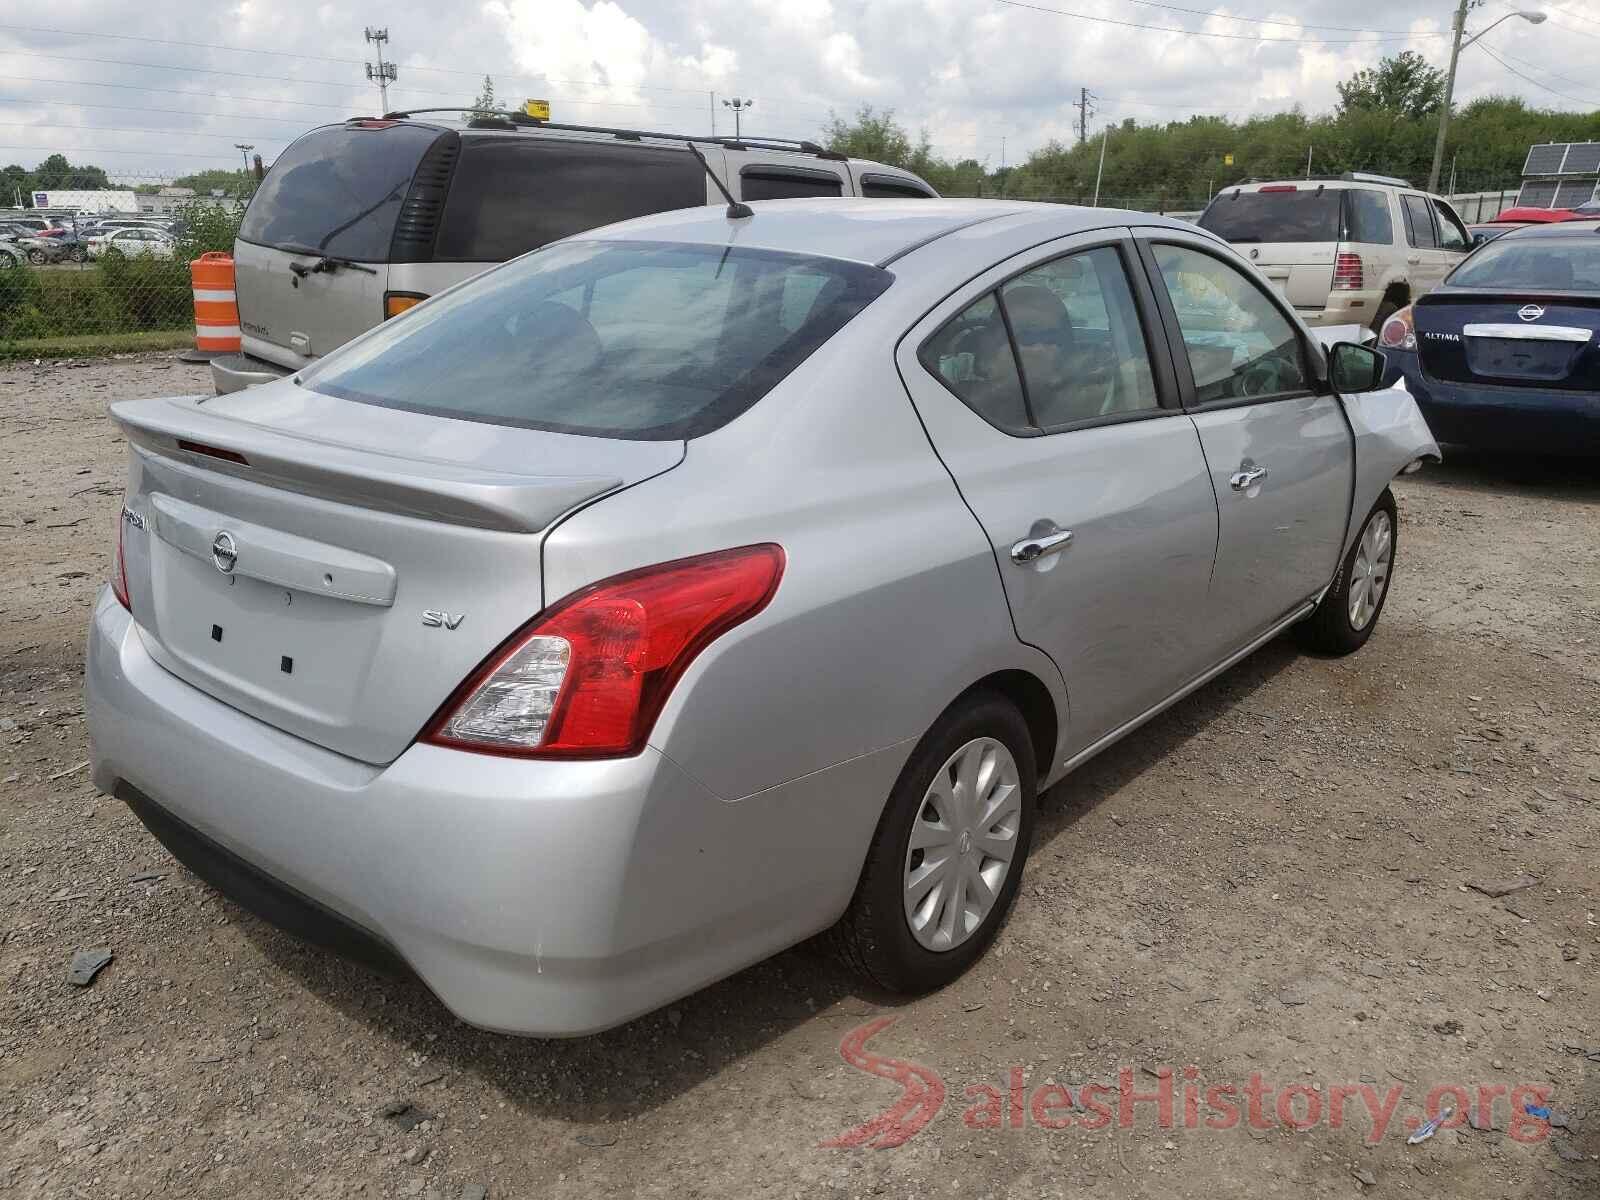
{"points": [[80, 292]]}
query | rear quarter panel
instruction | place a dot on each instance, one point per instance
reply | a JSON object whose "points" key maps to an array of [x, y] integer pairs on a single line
{"points": [[890, 604]]}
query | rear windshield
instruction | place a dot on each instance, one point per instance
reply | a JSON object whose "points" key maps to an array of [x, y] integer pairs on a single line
{"points": [[1296, 216], [1560, 264], [516, 193], [337, 191], [641, 340]]}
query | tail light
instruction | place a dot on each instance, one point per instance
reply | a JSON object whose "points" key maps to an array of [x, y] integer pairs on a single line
{"points": [[588, 678], [1399, 332], [395, 303], [119, 573], [1348, 273]]}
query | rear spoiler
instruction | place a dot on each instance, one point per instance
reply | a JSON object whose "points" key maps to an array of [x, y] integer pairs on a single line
{"points": [[177, 429]]}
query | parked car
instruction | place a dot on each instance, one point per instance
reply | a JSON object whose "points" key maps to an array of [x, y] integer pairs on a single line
{"points": [[668, 595], [357, 222], [42, 250], [1505, 356], [135, 243], [10, 256], [1347, 250]]}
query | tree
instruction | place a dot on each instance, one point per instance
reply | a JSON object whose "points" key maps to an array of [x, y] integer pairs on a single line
{"points": [[1402, 84], [875, 135], [230, 182], [483, 104]]}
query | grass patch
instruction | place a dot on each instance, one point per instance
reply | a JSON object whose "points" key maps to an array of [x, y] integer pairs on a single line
{"points": [[88, 345]]}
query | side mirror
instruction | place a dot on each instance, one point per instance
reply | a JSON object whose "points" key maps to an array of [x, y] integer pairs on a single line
{"points": [[1353, 369]]}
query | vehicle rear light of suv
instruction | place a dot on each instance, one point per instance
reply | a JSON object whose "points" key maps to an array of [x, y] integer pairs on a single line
{"points": [[1399, 332], [395, 303], [1348, 272], [588, 678]]}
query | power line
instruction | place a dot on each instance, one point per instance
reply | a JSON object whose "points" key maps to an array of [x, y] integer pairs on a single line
{"points": [[113, 150], [134, 87], [1201, 12], [1232, 37], [227, 137], [348, 62], [182, 112], [1535, 82]]}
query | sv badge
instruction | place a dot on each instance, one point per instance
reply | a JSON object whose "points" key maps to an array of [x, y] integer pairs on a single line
{"points": [[437, 618]]}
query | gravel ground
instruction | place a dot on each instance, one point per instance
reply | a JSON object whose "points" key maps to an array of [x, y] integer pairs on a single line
{"points": [[1270, 880]]}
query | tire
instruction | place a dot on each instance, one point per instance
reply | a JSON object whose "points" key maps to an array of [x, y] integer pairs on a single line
{"points": [[876, 937], [38, 257], [1338, 626], [80, 255]]}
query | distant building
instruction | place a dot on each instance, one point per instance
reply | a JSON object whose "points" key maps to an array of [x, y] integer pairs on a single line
{"points": [[99, 201]]}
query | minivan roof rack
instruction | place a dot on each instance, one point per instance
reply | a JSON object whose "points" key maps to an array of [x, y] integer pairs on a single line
{"points": [[1368, 177], [502, 118]]}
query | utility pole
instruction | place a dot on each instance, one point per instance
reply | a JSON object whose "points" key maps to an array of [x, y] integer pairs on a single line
{"points": [[1085, 106], [384, 73], [713, 96], [1308, 162], [244, 149], [1457, 45], [739, 106], [1100, 173]]}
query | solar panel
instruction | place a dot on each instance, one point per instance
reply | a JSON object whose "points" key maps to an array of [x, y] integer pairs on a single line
{"points": [[1583, 158], [1537, 195], [1545, 159]]}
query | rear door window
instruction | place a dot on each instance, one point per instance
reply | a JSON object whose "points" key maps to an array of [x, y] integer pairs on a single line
{"points": [[1368, 217], [787, 183], [1419, 222], [1286, 214], [338, 191], [515, 193], [971, 355]]}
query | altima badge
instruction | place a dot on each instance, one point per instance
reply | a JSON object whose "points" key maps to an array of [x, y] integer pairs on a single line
{"points": [[224, 552], [435, 618]]}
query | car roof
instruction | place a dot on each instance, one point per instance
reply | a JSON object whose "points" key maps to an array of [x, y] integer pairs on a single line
{"points": [[1554, 229], [867, 231]]}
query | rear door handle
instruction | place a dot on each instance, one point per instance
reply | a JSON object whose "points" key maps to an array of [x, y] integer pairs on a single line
{"points": [[1243, 479], [1031, 549]]}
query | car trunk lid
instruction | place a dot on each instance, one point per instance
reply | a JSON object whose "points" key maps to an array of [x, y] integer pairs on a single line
{"points": [[1547, 341], [336, 569]]}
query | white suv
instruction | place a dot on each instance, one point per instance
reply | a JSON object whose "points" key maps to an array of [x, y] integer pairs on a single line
{"points": [[1347, 251]]}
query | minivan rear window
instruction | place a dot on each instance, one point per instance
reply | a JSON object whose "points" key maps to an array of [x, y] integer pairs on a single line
{"points": [[516, 193], [638, 340], [338, 191], [1299, 215]]}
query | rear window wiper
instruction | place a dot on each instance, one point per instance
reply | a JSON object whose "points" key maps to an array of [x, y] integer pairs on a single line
{"points": [[324, 263]]}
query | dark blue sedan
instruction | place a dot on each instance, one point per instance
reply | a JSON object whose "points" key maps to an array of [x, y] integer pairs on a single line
{"points": [[1505, 355]]}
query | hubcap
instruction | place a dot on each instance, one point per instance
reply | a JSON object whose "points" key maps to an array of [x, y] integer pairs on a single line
{"points": [[1369, 575], [962, 842]]}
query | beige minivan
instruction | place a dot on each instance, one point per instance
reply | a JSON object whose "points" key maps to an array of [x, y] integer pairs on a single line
{"points": [[1347, 251], [358, 221]]}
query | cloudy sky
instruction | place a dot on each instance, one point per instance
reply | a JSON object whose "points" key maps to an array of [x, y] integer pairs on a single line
{"points": [[167, 87]]}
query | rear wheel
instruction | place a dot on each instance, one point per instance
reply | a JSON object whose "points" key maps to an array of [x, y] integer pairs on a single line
{"points": [[947, 858], [1345, 618], [38, 257]]}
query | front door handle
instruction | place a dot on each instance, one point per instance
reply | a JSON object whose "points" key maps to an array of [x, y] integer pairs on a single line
{"points": [[1245, 478], [1414, 259], [1033, 548]]}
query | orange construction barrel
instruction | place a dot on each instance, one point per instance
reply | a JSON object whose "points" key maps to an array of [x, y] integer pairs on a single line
{"points": [[216, 304]]}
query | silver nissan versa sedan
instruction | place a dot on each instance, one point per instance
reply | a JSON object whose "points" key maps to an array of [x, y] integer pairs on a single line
{"points": [[663, 597]]}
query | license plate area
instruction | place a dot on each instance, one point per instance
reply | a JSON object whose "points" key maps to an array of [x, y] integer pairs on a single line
{"points": [[260, 643], [1520, 358]]}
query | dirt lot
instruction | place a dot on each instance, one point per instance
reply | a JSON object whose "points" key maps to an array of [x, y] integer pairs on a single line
{"points": [[1270, 880]]}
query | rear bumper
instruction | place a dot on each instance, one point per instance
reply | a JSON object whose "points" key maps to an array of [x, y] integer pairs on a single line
{"points": [[1528, 420], [545, 898], [1344, 308], [235, 372]]}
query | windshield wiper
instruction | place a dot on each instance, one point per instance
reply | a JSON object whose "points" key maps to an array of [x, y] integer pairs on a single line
{"points": [[324, 263]]}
